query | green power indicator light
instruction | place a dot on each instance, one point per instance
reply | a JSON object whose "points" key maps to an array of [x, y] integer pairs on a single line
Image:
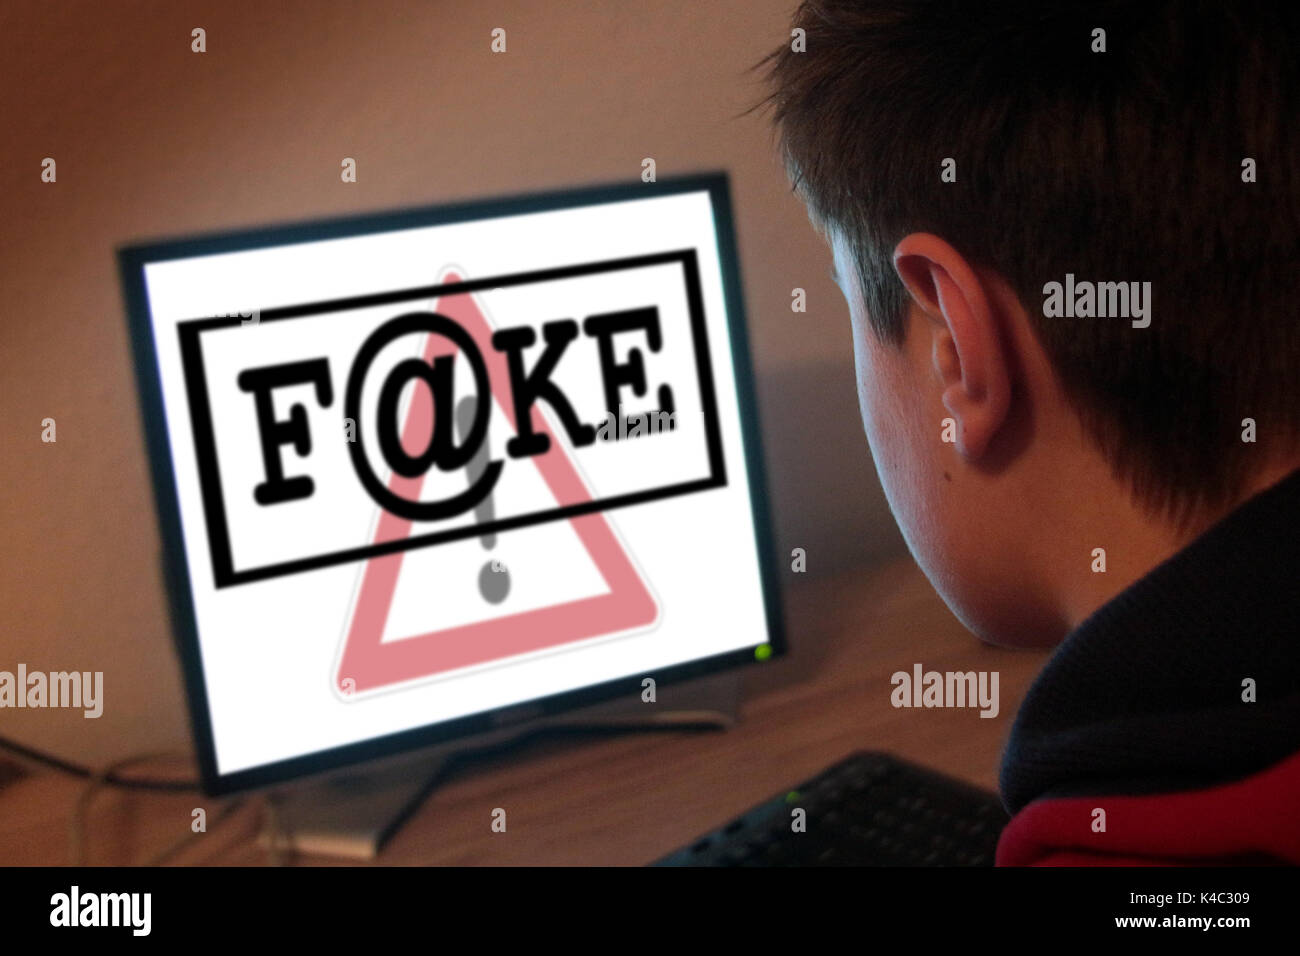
{"points": [[792, 796], [762, 652]]}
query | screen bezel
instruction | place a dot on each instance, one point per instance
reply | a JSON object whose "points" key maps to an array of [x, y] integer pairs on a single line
{"points": [[132, 260]]}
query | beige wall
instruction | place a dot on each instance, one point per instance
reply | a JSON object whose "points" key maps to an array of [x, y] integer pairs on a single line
{"points": [[152, 140]]}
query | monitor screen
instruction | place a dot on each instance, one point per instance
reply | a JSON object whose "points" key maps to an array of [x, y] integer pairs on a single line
{"points": [[417, 470]]}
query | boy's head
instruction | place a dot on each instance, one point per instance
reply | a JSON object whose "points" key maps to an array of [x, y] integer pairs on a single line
{"points": [[961, 159]]}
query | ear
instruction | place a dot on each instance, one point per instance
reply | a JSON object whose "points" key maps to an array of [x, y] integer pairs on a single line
{"points": [[971, 357]]}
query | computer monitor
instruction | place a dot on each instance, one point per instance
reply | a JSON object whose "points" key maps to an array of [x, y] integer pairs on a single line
{"points": [[416, 470]]}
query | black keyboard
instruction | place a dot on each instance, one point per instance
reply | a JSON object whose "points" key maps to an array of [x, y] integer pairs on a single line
{"points": [[869, 809]]}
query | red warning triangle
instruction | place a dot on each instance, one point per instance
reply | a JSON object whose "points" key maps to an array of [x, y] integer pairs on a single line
{"points": [[367, 663]]}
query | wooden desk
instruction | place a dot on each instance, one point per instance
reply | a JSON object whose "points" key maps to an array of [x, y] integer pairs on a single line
{"points": [[626, 799]]}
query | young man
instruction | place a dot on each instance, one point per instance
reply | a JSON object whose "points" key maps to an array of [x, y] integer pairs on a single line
{"points": [[1067, 235]]}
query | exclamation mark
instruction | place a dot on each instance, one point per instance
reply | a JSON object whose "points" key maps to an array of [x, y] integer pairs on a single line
{"points": [[493, 578]]}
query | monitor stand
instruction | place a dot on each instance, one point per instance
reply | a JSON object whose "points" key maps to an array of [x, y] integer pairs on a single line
{"points": [[351, 813]]}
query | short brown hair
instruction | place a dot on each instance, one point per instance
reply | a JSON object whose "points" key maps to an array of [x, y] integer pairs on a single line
{"points": [[1122, 165]]}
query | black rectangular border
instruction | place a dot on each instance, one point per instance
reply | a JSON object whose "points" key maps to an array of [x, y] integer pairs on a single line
{"points": [[209, 466], [132, 260]]}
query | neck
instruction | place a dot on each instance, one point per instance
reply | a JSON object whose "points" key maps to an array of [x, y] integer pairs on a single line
{"points": [[1133, 540]]}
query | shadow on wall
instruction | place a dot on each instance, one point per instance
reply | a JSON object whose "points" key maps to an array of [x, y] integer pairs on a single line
{"points": [[825, 495]]}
